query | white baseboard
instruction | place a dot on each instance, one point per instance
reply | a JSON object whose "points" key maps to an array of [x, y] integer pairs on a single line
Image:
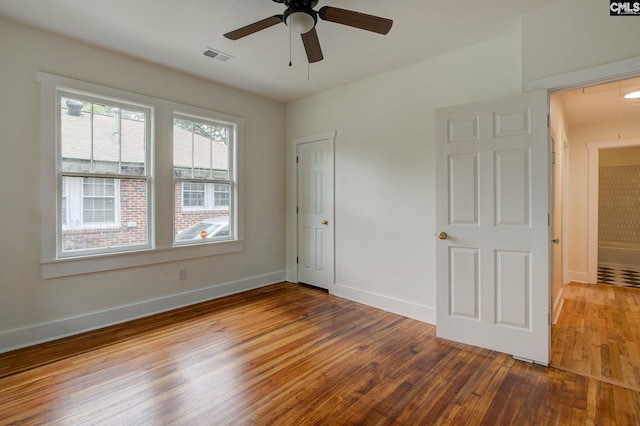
{"points": [[401, 307], [292, 276], [40, 333], [579, 277]]}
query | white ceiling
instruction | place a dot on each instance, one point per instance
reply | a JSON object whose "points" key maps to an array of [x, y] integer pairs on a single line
{"points": [[602, 103], [175, 33]]}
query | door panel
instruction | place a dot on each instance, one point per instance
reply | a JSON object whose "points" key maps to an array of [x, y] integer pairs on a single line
{"points": [[513, 188], [513, 289], [463, 288], [315, 212], [463, 189], [492, 268]]}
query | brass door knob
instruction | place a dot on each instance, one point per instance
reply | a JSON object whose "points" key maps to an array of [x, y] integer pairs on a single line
{"points": [[325, 222], [442, 235]]}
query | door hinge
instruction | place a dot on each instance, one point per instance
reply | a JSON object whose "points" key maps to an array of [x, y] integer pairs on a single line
{"points": [[297, 260], [548, 219], [548, 120], [296, 209], [297, 159]]}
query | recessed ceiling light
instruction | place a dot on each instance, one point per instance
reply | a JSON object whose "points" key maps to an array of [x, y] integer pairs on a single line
{"points": [[633, 95]]}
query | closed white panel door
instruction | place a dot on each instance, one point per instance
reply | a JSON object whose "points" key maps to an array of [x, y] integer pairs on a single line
{"points": [[492, 223], [315, 213]]}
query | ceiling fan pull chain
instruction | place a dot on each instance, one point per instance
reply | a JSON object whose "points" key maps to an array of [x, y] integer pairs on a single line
{"points": [[290, 46]]}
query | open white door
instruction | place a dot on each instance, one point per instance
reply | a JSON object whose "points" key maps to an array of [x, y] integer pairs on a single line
{"points": [[492, 214], [314, 156]]}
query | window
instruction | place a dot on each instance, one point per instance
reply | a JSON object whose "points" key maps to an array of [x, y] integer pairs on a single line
{"points": [[103, 173], [204, 196], [203, 179], [108, 171], [221, 194], [193, 195], [98, 201], [89, 202]]}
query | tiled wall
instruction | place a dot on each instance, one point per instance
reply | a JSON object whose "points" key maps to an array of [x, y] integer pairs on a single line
{"points": [[619, 209]]}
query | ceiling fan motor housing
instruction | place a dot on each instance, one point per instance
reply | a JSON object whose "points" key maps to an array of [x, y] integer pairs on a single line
{"points": [[299, 3], [300, 16]]}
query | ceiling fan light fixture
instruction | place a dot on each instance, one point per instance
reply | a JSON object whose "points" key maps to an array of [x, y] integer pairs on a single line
{"points": [[300, 21], [633, 95]]}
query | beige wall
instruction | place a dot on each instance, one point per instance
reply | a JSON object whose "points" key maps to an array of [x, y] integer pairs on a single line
{"points": [[384, 163], [35, 307], [384, 147], [572, 35], [620, 156]]}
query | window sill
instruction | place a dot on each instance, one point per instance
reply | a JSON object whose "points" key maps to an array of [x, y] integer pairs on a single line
{"points": [[57, 268]]}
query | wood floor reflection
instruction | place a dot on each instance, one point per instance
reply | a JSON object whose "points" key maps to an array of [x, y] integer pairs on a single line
{"points": [[598, 333], [291, 355]]}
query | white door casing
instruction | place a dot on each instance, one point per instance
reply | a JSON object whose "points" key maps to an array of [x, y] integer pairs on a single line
{"points": [[315, 210], [556, 194], [492, 180]]}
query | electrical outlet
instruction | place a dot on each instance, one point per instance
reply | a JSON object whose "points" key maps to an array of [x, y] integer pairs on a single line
{"points": [[182, 273]]}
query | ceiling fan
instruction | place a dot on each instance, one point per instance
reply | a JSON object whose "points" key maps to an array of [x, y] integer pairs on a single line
{"points": [[301, 18]]}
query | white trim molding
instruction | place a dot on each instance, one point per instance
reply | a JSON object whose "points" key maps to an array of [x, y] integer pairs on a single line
{"points": [[578, 277], [613, 71], [40, 333], [426, 314]]}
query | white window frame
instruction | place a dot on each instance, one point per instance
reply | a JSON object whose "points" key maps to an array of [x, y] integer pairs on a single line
{"points": [[162, 248], [232, 177], [76, 203]]}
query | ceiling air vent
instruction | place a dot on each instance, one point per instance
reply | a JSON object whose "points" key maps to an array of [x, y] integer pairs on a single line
{"points": [[217, 55]]}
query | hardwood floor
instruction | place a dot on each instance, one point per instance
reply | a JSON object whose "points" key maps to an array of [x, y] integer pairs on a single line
{"points": [[291, 355], [598, 333]]}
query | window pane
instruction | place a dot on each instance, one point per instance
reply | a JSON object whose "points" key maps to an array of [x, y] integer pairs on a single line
{"points": [[133, 135], [104, 213], [200, 150], [98, 201], [75, 131], [221, 195], [193, 194], [106, 139], [204, 207], [101, 138]]}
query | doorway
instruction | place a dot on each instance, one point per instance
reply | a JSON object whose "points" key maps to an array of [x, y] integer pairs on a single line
{"points": [[315, 209], [594, 335]]}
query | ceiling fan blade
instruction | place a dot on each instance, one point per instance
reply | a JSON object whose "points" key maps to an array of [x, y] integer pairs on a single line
{"points": [[312, 46], [254, 28], [356, 19]]}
